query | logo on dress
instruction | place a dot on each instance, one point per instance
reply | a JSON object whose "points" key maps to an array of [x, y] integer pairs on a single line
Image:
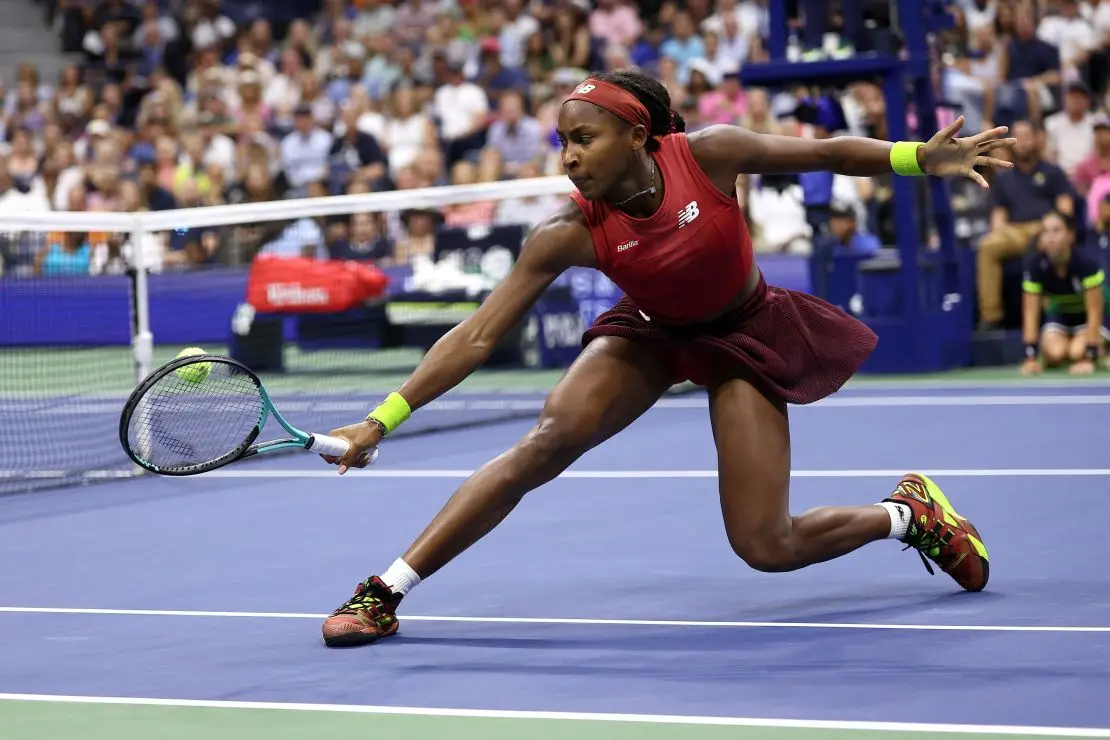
{"points": [[688, 214], [584, 88], [627, 245]]}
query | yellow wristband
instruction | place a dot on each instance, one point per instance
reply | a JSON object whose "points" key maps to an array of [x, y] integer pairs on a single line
{"points": [[903, 158], [392, 412]]}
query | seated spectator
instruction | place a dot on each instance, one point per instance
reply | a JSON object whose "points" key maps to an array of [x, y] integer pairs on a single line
{"points": [[1030, 74], [1096, 165], [1071, 286], [1070, 133], [407, 131], [1019, 198], [304, 152], [684, 45], [517, 137], [847, 236], [726, 104], [1098, 232], [461, 215], [354, 155], [463, 112]]}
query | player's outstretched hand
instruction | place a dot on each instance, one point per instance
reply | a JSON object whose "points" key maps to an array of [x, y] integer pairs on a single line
{"points": [[945, 155], [363, 438]]}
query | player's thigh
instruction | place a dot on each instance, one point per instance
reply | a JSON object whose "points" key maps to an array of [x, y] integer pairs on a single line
{"points": [[611, 384], [752, 435], [1077, 348]]}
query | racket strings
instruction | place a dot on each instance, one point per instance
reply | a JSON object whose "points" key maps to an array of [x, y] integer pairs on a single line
{"points": [[179, 423]]}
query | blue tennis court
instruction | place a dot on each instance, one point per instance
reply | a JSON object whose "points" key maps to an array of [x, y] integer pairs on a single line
{"points": [[609, 599]]}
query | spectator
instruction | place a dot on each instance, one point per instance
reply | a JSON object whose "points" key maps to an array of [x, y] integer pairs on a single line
{"points": [[304, 152], [463, 112], [1030, 74], [518, 138], [354, 155], [684, 46], [1019, 199], [1097, 163], [1070, 133]]}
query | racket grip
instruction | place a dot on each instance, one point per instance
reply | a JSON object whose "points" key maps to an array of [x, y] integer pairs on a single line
{"points": [[325, 445]]}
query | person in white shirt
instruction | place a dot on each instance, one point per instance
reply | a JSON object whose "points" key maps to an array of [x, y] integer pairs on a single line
{"points": [[1073, 34], [1070, 134], [463, 112]]}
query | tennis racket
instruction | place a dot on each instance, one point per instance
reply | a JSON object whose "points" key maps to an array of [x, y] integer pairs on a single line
{"points": [[199, 413]]}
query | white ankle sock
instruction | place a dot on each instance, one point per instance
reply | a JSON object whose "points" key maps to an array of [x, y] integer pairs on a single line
{"points": [[400, 577], [900, 516]]}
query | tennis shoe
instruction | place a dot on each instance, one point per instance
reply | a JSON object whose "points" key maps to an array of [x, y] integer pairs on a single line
{"points": [[364, 618], [941, 535]]}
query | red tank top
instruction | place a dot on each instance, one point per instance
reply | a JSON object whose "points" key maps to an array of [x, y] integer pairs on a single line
{"points": [[690, 258]]}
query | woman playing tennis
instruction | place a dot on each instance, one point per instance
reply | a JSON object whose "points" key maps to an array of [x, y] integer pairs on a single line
{"points": [[655, 210]]}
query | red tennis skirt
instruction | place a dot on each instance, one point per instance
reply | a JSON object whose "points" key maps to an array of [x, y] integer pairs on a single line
{"points": [[797, 347]]}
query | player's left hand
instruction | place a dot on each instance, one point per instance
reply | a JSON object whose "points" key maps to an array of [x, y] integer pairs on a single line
{"points": [[945, 155]]}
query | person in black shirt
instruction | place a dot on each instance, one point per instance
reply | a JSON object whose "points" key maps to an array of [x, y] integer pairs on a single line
{"points": [[1069, 284]]}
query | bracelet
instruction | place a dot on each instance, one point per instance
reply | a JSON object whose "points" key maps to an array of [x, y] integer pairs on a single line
{"points": [[903, 158], [1091, 353], [1030, 350], [390, 413]]}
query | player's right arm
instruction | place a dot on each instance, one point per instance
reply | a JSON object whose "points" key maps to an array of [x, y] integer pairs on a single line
{"points": [[1031, 299], [556, 244]]}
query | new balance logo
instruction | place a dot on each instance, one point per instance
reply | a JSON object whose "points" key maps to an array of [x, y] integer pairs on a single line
{"points": [[584, 88], [627, 245], [688, 214]]}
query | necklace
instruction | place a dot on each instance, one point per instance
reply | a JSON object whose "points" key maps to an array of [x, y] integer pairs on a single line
{"points": [[647, 191]]}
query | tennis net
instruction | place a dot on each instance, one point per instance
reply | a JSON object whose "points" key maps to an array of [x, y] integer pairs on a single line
{"points": [[332, 301]]}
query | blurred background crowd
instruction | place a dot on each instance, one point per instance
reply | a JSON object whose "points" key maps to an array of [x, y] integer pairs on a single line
{"points": [[178, 103]]}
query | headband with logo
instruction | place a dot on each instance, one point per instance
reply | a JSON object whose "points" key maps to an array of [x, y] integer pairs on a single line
{"points": [[615, 99]]}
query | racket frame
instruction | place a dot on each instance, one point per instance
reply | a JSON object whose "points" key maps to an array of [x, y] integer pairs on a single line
{"points": [[298, 439]]}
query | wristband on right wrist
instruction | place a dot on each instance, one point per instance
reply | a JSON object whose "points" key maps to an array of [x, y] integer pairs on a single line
{"points": [[1030, 350], [390, 413]]}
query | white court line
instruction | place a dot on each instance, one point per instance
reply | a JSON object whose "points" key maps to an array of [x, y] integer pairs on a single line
{"points": [[575, 621], [659, 719], [245, 472]]}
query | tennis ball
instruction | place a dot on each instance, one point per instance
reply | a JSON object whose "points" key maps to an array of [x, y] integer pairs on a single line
{"points": [[197, 372]]}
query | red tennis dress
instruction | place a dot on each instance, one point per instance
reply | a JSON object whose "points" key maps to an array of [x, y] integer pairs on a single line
{"points": [[689, 260]]}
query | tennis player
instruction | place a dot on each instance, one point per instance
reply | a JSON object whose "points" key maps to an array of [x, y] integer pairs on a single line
{"points": [[655, 210]]}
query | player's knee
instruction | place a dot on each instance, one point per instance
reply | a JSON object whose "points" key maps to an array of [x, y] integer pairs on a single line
{"points": [[764, 552], [1054, 352], [555, 441]]}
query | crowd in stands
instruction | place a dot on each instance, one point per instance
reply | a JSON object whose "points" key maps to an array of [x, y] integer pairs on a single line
{"points": [[180, 103]]}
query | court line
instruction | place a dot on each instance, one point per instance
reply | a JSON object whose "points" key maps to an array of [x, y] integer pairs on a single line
{"points": [[252, 472], [572, 621], [574, 716]]}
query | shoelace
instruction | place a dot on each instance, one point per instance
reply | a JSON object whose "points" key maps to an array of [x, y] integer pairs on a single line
{"points": [[366, 597], [931, 541]]}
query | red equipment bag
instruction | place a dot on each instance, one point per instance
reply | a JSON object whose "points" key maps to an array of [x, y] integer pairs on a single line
{"points": [[301, 285]]}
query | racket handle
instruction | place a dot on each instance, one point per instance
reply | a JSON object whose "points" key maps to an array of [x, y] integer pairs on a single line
{"points": [[325, 445]]}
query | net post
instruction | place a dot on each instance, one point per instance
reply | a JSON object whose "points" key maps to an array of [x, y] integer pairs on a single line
{"points": [[143, 341]]}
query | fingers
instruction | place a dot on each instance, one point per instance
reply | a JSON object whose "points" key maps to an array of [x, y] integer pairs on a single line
{"points": [[950, 130], [992, 162], [991, 134], [992, 144], [973, 175]]}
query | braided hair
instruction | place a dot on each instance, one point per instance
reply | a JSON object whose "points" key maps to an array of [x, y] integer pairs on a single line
{"points": [[655, 98]]}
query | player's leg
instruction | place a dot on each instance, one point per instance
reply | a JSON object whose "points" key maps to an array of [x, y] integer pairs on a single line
{"points": [[1055, 341], [753, 452], [610, 385], [1077, 345], [752, 434]]}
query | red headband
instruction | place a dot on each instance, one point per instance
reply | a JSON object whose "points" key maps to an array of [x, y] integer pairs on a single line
{"points": [[614, 99]]}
